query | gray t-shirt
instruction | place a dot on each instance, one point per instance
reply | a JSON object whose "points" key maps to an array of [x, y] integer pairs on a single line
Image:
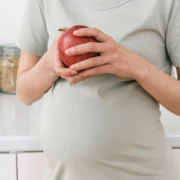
{"points": [[106, 127]]}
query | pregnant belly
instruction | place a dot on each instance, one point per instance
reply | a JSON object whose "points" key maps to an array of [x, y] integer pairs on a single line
{"points": [[77, 126], [82, 130]]}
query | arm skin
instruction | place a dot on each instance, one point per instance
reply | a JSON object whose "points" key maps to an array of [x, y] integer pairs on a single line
{"points": [[37, 74], [164, 88], [34, 78]]}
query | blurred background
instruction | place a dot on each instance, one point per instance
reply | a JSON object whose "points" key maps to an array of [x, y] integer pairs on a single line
{"points": [[11, 14], [21, 156]]}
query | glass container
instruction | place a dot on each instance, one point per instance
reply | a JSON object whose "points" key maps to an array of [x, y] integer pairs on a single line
{"points": [[9, 61]]}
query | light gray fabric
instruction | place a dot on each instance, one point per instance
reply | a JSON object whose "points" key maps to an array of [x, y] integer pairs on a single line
{"points": [[33, 36], [106, 127]]}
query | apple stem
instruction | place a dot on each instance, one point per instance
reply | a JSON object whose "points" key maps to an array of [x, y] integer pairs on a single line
{"points": [[63, 29]]}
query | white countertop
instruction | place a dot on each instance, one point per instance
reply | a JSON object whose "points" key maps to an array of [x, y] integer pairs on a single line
{"points": [[19, 125]]}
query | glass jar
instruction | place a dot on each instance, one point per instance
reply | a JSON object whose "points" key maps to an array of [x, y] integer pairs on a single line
{"points": [[1, 53], [8, 68]]}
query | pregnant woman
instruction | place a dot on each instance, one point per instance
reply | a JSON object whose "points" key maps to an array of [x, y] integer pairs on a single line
{"points": [[101, 117]]}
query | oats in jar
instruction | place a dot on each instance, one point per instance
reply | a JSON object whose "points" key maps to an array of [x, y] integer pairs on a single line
{"points": [[8, 68]]}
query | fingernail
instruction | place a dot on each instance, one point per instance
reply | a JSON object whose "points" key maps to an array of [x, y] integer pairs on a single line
{"points": [[73, 67], [75, 32], [74, 72], [68, 51]]}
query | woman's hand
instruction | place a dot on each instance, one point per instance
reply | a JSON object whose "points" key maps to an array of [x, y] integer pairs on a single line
{"points": [[114, 58], [55, 64]]}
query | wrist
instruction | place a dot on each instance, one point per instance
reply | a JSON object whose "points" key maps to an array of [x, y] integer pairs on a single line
{"points": [[48, 65], [141, 74], [142, 70]]}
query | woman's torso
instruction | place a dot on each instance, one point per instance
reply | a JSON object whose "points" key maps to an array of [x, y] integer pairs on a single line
{"points": [[107, 119]]}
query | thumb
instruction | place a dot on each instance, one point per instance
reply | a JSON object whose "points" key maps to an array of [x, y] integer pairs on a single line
{"points": [[58, 62]]}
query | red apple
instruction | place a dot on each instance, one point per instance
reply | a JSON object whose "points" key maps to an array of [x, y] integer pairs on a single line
{"points": [[68, 40]]}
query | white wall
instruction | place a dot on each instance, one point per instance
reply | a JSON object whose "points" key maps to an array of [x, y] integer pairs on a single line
{"points": [[11, 13]]}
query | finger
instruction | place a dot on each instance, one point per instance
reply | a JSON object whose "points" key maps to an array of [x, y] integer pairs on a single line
{"points": [[74, 79], [65, 72], [60, 69], [58, 63], [96, 70], [58, 36], [59, 66], [93, 32], [89, 63], [86, 48]]}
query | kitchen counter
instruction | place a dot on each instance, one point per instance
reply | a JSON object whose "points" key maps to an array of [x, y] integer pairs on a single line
{"points": [[19, 125], [29, 144]]}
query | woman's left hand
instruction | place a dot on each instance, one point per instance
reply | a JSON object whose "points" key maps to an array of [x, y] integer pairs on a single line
{"points": [[116, 59], [113, 59]]}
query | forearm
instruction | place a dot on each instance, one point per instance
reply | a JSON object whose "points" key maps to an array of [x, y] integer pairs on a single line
{"points": [[164, 88], [32, 84]]}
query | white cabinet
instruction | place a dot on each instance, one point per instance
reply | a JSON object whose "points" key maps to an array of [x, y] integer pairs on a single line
{"points": [[177, 157], [31, 166], [8, 167]]}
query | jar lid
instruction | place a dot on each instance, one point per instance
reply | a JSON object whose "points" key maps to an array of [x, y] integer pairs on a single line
{"points": [[10, 50]]}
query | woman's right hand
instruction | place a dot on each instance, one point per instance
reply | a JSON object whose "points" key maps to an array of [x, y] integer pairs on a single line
{"points": [[56, 65]]}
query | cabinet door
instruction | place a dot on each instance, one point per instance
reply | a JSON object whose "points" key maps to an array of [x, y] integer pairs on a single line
{"points": [[177, 156], [7, 166], [31, 166]]}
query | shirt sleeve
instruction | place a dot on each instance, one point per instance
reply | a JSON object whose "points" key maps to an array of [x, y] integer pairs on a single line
{"points": [[33, 36], [173, 34]]}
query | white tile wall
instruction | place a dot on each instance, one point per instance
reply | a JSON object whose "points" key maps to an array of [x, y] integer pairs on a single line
{"points": [[17, 118], [11, 13]]}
